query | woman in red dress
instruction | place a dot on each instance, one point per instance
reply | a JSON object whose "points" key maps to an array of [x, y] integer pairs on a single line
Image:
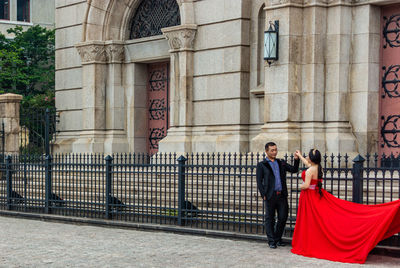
{"points": [[334, 229]]}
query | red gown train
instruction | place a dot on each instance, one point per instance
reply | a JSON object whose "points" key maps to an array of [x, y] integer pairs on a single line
{"points": [[338, 230]]}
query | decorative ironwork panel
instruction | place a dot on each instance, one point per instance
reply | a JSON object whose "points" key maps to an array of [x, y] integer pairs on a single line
{"points": [[157, 109], [156, 134], [157, 101], [389, 104], [157, 79], [390, 130], [152, 15], [391, 31], [390, 81]]}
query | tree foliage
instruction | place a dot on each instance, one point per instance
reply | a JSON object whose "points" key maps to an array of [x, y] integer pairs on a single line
{"points": [[27, 65]]}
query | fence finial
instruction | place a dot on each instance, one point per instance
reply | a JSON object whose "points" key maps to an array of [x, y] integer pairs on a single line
{"points": [[359, 158], [108, 158], [181, 158]]}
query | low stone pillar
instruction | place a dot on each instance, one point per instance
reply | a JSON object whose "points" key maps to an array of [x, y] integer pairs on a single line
{"points": [[9, 114]]}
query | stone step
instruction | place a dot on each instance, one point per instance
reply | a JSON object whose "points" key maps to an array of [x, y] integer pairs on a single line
{"points": [[140, 187], [156, 178], [167, 200]]}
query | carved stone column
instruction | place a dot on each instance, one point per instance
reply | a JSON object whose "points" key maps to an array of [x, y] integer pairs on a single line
{"points": [[114, 103], [339, 135], [181, 41], [313, 78], [9, 114], [94, 74]]}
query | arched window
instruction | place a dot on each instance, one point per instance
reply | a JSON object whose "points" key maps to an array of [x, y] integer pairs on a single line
{"points": [[152, 15]]}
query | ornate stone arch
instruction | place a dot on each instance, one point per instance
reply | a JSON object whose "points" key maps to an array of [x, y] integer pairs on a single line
{"points": [[103, 20], [106, 26]]}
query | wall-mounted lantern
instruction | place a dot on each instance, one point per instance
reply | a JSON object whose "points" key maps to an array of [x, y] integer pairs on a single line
{"points": [[271, 42]]}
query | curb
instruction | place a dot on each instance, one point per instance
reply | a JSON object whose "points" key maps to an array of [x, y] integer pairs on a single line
{"points": [[137, 226], [378, 250]]}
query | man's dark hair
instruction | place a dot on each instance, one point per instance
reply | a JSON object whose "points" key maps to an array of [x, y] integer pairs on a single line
{"points": [[269, 144]]}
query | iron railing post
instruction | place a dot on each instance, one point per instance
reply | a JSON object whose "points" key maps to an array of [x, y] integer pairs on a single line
{"points": [[109, 160], [358, 167], [3, 142], [181, 189], [48, 183], [47, 132], [9, 181]]}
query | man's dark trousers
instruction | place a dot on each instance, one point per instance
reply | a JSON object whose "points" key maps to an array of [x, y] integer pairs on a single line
{"points": [[273, 200], [279, 203]]}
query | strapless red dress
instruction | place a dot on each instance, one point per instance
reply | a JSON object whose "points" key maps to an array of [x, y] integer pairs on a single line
{"points": [[338, 230]]}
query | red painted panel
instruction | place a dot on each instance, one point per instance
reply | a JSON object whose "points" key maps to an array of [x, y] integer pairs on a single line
{"points": [[389, 138], [158, 104]]}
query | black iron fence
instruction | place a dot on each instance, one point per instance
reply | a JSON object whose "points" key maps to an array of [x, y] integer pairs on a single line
{"points": [[37, 130], [212, 191]]}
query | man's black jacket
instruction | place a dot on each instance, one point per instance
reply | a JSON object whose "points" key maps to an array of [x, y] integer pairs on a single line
{"points": [[266, 177]]}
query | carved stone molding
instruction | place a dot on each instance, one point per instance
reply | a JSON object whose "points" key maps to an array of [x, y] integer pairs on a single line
{"points": [[180, 2], [283, 2], [180, 38], [274, 4], [310, 2], [92, 52], [115, 52], [340, 2]]}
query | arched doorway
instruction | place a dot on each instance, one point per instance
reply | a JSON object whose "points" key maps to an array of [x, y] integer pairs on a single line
{"points": [[150, 17], [115, 74]]}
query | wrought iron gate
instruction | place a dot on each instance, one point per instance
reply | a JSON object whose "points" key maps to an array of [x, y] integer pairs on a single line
{"points": [[389, 139], [158, 104]]}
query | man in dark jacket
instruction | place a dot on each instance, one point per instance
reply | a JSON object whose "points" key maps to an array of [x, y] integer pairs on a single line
{"points": [[271, 183]]}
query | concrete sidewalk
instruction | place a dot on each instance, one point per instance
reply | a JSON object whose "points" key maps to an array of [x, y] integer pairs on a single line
{"points": [[32, 243]]}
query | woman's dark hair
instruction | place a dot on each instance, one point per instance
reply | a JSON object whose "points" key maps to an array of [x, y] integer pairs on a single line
{"points": [[315, 157]]}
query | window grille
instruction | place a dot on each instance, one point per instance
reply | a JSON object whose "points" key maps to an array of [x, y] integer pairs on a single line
{"points": [[152, 15]]}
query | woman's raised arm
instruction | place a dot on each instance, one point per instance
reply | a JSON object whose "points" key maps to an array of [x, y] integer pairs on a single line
{"points": [[305, 162]]}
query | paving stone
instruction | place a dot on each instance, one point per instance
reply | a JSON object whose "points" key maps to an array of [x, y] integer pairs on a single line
{"points": [[33, 243]]}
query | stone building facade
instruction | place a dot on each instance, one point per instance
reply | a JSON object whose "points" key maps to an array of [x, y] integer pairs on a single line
{"points": [[26, 13], [324, 91]]}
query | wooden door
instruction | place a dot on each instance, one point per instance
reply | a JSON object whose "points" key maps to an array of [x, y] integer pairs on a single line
{"points": [[389, 138], [158, 104]]}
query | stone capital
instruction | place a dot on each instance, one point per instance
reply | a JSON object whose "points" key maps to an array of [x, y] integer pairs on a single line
{"points": [[10, 97], [181, 37], [115, 52], [92, 52]]}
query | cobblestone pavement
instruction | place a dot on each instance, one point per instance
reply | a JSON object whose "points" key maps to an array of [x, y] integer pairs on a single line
{"points": [[32, 243]]}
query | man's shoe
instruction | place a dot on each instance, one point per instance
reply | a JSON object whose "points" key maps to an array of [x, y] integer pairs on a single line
{"points": [[272, 245], [281, 244]]}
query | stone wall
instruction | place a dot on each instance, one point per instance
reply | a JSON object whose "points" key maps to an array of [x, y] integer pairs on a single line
{"points": [[69, 31], [326, 82], [322, 92]]}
